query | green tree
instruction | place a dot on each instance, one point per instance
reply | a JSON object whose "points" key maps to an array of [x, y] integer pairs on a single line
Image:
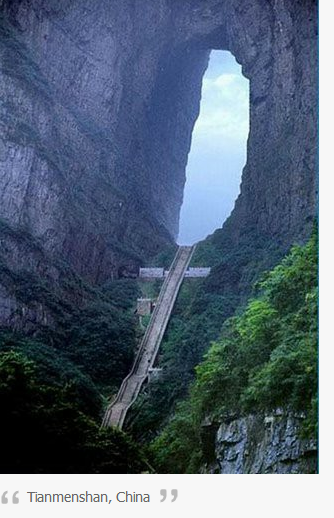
{"points": [[266, 357]]}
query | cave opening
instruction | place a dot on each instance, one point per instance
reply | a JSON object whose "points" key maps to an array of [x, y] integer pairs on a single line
{"points": [[218, 149]]}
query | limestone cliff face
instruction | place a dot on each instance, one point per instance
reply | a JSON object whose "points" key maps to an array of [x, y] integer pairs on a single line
{"points": [[262, 444], [98, 102]]}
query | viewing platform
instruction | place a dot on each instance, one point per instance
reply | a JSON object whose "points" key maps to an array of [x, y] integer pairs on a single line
{"points": [[161, 273]]}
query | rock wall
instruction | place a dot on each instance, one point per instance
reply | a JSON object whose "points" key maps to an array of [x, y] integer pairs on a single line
{"points": [[98, 102], [263, 444]]}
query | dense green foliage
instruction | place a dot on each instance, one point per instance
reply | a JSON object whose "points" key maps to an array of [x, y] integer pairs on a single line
{"points": [[45, 430], [53, 368], [76, 345], [165, 258], [266, 357], [52, 386], [100, 338], [201, 308], [81, 346], [93, 327]]}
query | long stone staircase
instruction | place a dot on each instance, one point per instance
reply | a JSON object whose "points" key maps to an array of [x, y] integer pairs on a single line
{"points": [[130, 388]]}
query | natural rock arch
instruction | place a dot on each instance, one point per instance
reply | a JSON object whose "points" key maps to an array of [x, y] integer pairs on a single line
{"points": [[275, 43], [110, 105]]}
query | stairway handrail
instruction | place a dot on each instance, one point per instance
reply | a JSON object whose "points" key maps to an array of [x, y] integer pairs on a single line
{"points": [[146, 337]]}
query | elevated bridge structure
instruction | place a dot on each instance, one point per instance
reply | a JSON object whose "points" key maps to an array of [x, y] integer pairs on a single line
{"points": [[160, 273], [149, 347]]}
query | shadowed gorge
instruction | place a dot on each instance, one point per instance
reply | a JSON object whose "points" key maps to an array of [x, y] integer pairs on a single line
{"points": [[98, 101]]}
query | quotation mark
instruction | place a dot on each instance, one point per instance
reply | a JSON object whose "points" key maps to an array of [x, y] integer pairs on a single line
{"points": [[15, 498], [163, 493]]}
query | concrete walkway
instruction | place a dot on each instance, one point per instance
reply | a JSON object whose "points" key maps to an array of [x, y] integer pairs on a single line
{"points": [[130, 388]]}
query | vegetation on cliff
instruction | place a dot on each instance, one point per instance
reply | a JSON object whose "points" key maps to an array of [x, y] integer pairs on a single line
{"points": [[76, 345], [54, 376], [266, 357], [201, 308], [49, 428]]}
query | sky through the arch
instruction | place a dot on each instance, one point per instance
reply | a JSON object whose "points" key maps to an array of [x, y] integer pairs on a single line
{"points": [[218, 150]]}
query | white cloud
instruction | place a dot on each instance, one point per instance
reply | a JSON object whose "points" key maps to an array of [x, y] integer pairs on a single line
{"points": [[218, 149], [219, 82], [224, 108]]}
